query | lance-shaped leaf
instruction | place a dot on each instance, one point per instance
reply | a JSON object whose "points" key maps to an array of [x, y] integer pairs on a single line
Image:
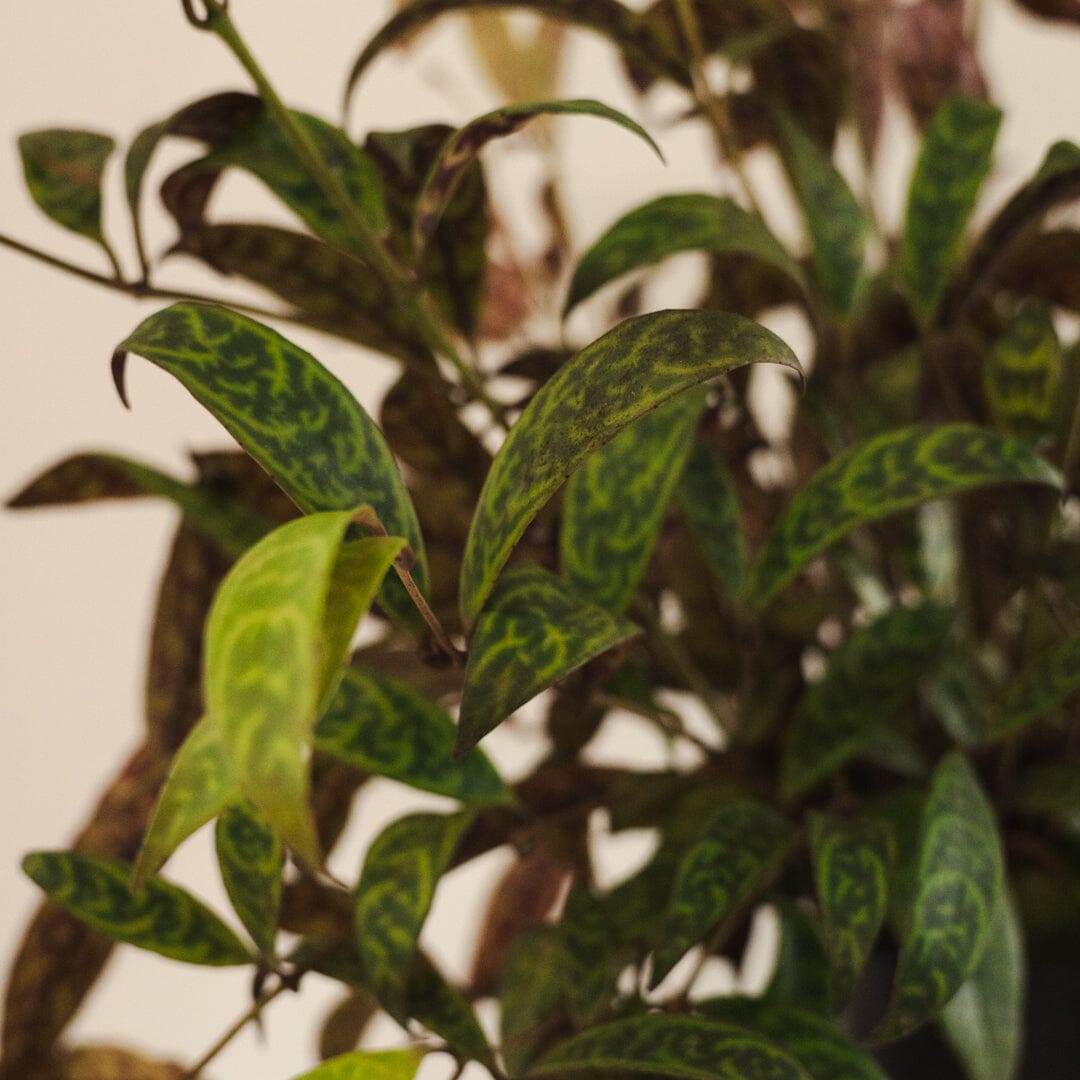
{"points": [[958, 888], [711, 508], [63, 171], [615, 504], [1022, 373], [401, 871], [383, 726], [800, 975], [1037, 690], [672, 224], [251, 859], [680, 1046], [442, 1008], [852, 859], [953, 162], [868, 678], [460, 150], [531, 991], [369, 1065], [985, 1019], [833, 216], [587, 963], [295, 418], [895, 471], [728, 858], [616, 380], [533, 632], [159, 917]]}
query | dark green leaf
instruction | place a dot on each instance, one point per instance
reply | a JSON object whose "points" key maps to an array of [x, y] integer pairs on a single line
{"points": [[953, 162], [800, 976], [530, 994], [369, 1065], [615, 504], [1043, 686], [383, 726], [443, 1009], [533, 632], [892, 472], [586, 964], [616, 380], [159, 917], [958, 887], [852, 859], [1022, 373], [868, 679]]}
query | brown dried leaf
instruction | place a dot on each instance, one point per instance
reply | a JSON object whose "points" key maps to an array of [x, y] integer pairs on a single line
{"points": [[113, 1063], [343, 1026]]}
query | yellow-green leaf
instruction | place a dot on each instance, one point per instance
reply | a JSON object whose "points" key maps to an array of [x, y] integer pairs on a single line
{"points": [[369, 1065], [1022, 373]]}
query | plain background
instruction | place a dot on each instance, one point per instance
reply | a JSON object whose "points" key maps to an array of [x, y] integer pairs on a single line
{"points": [[77, 587]]}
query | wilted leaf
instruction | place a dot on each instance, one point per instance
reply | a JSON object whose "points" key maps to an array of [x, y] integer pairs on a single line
{"points": [[711, 508], [1043, 686], [369, 1065], [530, 994], [1022, 374]]}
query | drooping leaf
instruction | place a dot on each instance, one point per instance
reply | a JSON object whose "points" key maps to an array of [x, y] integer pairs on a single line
{"points": [[852, 859], [953, 162], [383, 726], [629, 371], [728, 857], [833, 216], [401, 870], [160, 917], [680, 1046], [894, 471], [984, 1021], [1022, 373], [369, 1065], [868, 678], [530, 994], [1043, 686], [958, 887], [672, 224], [251, 859], [614, 505], [533, 632]]}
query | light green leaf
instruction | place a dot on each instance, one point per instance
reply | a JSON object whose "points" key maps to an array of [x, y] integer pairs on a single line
{"points": [[616, 380], [672, 224], [533, 632], [892, 472], [369, 1065], [1043, 686], [1022, 373], [401, 871], [958, 887], [868, 678], [382, 726], [952, 165], [531, 990], [614, 505], [159, 917]]}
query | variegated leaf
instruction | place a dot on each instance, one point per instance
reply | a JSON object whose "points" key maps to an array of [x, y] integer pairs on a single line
{"points": [[531, 992], [1022, 373]]}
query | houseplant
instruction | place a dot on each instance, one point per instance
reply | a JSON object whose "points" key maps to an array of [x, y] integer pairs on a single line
{"points": [[886, 639]]}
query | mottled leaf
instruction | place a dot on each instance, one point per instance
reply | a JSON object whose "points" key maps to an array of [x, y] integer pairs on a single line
{"points": [[852, 859], [443, 1009], [958, 887], [728, 858], [894, 471], [953, 162], [1041, 687], [369, 1065], [615, 504], [251, 859], [711, 508], [533, 632], [401, 871], [530, 994], [160, 917], [616, 380], [383, 726], [1022, 373], [868, 679], [588, 977], [672, 224], [678, 1046]]}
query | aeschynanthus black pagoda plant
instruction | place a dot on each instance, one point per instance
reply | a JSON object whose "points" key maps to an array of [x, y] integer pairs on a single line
{"points": [[876, 610]]}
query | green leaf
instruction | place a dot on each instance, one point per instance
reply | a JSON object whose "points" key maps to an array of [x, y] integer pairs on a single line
{"points": [[868, 679], [985, 1019], [833, 216], [672, 224], [953, 163], [1022, 373], [251, 859], [678, 1046], [383, 726], [293, 416], [711, 508], [533, 632], [958, 887], [461, 149], [587, 975], [369, 1065], [728, 858], [443, 1009], [615, 504], [894, 471], [531, 992], [616, 380], [852, 859], [800, 976], [1038, 689], [160, 917], [63, 171], [401, 871]]}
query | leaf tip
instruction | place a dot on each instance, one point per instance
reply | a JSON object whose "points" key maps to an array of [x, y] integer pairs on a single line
{"points": [[119, 369]]}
